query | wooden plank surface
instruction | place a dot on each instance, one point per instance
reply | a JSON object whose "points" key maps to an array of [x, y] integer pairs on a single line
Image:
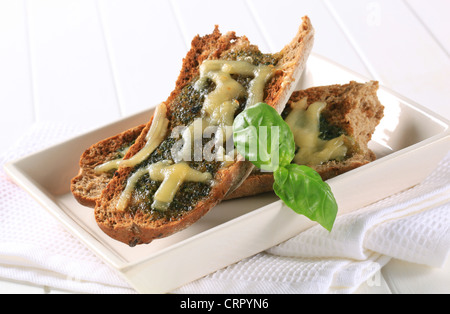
{"points": [[145, 49], [398, 49]]}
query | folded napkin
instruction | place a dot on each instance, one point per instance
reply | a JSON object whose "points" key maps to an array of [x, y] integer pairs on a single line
{"points": [[412, 226]]}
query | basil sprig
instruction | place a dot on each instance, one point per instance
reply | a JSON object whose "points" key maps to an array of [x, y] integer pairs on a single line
{"points": [[262, 136]]}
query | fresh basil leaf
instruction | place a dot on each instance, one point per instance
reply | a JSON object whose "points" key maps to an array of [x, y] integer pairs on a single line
{"points": [[303, 190], [262, 136]]}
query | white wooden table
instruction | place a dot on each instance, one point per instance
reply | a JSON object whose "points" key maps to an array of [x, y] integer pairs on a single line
{"points": [[94, 61]]}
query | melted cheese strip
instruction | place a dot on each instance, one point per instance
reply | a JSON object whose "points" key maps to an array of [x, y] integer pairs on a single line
{"points": [[154, 137], [125, 197], [172, 177], [111, 165], [108, 166], [305, 124], [221, 104], [256, 91]]}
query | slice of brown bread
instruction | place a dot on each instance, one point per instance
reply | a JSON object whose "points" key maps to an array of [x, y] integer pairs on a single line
{"points": [[354, 108], [137, 224]]}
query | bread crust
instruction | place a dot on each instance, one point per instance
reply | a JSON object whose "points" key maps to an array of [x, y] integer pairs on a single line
{"points": [[136, 228]]}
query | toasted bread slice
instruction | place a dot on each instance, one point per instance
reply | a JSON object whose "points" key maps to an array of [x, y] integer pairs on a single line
{"points": [[354, 109], [138, 222]]}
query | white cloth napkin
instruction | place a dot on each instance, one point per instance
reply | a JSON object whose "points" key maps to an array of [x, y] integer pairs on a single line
{"points": [[412, 226]]}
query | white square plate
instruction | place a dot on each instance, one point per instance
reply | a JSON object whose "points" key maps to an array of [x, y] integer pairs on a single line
{"points": [[410, 142]]}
